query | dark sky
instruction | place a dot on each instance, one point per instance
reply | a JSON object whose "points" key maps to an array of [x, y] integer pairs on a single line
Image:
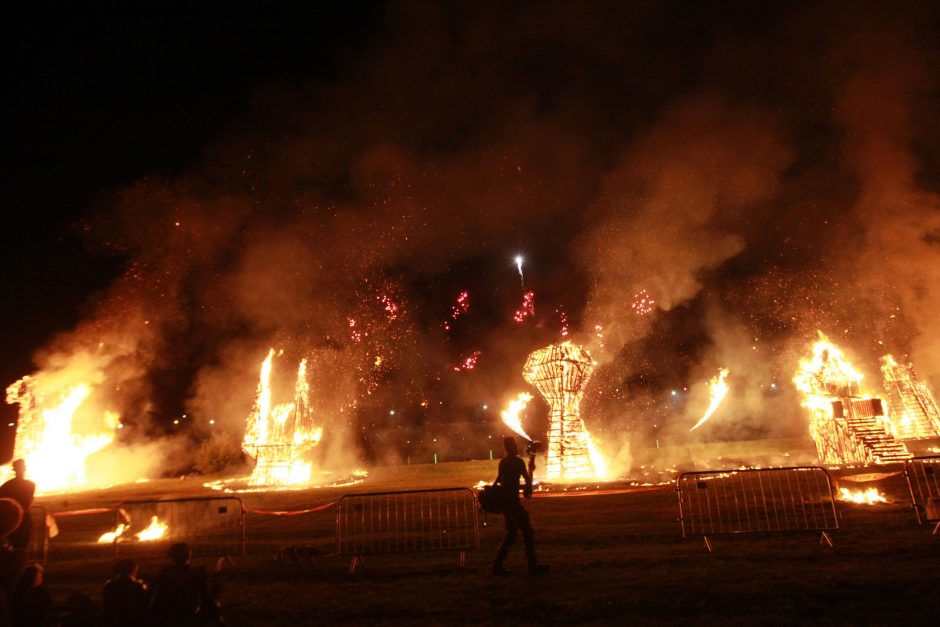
{"points": [[196, 186]]}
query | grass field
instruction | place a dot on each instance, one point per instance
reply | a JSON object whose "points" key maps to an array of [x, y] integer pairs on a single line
{"points": [[616, 558]]}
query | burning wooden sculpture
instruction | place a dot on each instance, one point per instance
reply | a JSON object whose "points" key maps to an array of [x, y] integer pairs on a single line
{"points": [[911, 405], [849, 427], [560, 372], [278, 436]]}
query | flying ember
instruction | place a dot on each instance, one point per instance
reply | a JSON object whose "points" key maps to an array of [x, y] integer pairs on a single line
{"points": [[717, 389], [511, 417], [278, 436], [848, 425], [560, 373], [469, 362]]}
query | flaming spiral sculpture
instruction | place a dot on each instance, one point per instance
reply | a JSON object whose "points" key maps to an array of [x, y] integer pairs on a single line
{"points": [[560, 373]]}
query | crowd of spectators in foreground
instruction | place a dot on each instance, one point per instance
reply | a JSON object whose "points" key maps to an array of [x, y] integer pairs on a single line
{"points": [[180, 596]]}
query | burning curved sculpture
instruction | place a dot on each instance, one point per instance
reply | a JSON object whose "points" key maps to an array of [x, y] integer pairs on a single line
{"points": [[560, 373], [278, 436]]}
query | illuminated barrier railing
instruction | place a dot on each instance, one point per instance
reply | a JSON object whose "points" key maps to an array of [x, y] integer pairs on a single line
{"points": [[38, 548], [407, 522], [760, 500], [212, 526], [923, 480]]}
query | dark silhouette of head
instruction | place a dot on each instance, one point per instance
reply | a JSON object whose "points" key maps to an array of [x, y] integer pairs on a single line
{"points": [[180, 553], [31, 577], [126, 567], [510, 446], [19, 467]]}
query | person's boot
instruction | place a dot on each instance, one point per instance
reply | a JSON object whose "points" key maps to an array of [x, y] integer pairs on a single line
{"points": [[499, 569], [539, 569]]}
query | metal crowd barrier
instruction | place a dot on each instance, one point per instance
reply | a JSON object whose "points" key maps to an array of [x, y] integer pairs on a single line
{"points": [[759, 500], [38, 548], [407, 522], [211, 526], [923, 480]]}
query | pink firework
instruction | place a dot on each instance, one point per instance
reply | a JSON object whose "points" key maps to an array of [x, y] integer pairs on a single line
{"points": [[469, 362], [527, 309], [643, 303], [354, 333], [459, 308], [391, 309]]}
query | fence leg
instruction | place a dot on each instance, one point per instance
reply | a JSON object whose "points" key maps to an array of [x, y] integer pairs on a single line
{"points": [[708, 543], [462, 559], [356, 561], [827, 539]]}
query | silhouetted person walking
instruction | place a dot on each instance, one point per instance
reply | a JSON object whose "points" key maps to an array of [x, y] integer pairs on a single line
{"points": [[511, 469], [181, 594], [125, 597]]}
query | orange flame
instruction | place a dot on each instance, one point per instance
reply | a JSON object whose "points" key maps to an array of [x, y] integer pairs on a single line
{"points": [[718, 389], [277, 435], [871, 496], [49, 437], [510, 415], [154, 531]]}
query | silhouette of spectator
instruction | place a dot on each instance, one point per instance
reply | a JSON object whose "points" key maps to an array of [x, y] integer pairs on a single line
{"points": [[125, 597], [79, 611], [21, 490], [32, 603], [511, 469], [181, 594]]}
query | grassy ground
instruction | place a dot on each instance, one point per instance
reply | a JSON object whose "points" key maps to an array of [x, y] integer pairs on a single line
{"points": [[616, 558]]}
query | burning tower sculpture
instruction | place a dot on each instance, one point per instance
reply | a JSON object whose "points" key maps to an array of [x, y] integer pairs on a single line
{"points": [[277, 437], [848, 426], [560, 372], [911, 406]]}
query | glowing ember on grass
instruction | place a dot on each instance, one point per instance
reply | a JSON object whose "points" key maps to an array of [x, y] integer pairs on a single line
{"points": [[561, 372], [277, 436], [717, 389], [510, 415], [57, 432], [871, 496], [848, 426], [154, 531]]}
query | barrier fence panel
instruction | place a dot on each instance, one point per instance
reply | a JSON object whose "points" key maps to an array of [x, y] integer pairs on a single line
{"points": [[407, 522], [213, 526], [923, 480], [38, 548], [759, 500]]}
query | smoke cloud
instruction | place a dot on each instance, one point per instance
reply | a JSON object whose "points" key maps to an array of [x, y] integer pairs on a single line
{"points": [[702, 201]]}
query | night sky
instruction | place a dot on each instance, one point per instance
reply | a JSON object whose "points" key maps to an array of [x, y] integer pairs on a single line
{"points": [[187, 190]]}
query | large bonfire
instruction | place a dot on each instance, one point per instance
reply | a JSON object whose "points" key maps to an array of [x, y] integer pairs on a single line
{"points": [[848, 424], [58, 429], [560, 373], [278, 436]]}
